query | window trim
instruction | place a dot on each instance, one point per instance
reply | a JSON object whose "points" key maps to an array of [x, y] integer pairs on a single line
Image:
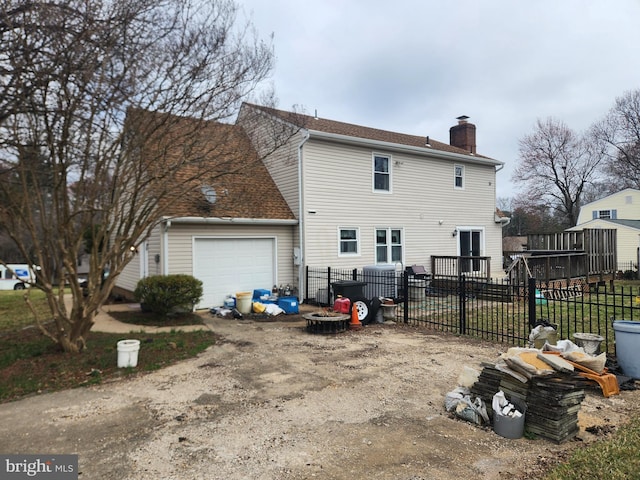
{"points": [[456, 176], [389, 173], [605, 214], [389, 245], [357, 242]]}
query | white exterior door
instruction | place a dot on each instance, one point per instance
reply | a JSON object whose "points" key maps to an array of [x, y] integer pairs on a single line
{"points": [[230, 265]]}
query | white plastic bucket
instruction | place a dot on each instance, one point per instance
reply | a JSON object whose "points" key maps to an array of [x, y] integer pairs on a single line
{"points": [[128, 353], [243, 302]]}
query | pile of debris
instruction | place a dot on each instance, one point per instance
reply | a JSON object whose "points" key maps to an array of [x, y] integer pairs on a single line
{"points": [[550, 381], [553, 401]]}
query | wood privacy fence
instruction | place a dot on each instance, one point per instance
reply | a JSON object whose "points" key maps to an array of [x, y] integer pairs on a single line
{"points": [[599, 245]]}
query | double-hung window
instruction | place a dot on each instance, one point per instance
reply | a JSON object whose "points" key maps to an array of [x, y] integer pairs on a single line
{"points": [[458, 173], [389, 245], [349, 240], [381, 173], [606, 214]]}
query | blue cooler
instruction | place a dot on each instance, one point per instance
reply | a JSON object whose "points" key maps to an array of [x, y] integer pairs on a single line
{"points": [[288, 304]]}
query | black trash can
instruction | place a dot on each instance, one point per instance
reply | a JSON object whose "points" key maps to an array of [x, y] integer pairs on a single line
{"points": [[348, 288]]}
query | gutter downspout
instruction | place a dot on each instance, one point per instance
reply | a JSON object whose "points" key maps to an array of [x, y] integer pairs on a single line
{"points": [[301, 222]]}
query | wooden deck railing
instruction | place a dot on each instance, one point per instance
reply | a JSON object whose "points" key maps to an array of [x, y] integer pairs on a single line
{"points": [[454, 266]]}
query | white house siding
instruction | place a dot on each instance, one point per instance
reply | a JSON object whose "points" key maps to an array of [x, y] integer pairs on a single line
{"points": [[181, 238], [129, 277], [628, 239], [283, 168], [626, 203], [337, 182], [154, 247], [282, 163], [131, 274]]}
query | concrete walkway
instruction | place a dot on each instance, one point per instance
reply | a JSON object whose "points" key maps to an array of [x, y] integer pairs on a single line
{"points": [[104, 322]]}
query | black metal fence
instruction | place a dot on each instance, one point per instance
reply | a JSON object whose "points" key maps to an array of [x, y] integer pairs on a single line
{"points": [[493, 310], [628, 270]]}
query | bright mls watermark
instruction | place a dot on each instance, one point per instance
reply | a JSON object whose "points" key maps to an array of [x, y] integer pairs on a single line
{"points": [[51, 467]]}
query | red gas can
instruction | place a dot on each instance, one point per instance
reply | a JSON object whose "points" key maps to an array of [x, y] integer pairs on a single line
{"points": [[342, 305]]}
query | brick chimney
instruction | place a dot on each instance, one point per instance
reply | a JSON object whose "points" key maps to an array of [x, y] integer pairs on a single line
{"points": [[463, 135]]}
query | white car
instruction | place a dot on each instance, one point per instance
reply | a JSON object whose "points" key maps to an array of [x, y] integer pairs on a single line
{"points": [[16, 276]]}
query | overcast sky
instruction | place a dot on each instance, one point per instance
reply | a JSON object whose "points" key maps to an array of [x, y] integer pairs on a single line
{"points": [[414, 66]]}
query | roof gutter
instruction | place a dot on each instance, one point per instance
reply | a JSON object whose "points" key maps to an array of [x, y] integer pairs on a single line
{"points": [[231, 220], [503, 221], [424, 151]]}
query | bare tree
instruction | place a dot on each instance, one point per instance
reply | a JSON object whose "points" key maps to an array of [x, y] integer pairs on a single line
{"points": [[620, 132], [93, 138], [555, 166]]}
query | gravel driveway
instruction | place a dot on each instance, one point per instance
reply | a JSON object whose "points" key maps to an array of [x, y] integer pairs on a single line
{"points": [[271, 401]]}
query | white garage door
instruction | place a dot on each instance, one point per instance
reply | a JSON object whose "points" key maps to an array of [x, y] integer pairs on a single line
{"points": [[229, 265]]}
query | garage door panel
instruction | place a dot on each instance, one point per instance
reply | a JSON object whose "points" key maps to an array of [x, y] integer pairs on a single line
{"points": [[230, 265]]}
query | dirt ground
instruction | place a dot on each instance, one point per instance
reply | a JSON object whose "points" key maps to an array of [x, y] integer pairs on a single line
{"points": [[271, 401]]}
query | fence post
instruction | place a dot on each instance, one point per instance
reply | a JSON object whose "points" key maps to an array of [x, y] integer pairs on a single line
{"points": [[462, 282], [405, 286], [306, 283], [532, 301], [329, 286]]}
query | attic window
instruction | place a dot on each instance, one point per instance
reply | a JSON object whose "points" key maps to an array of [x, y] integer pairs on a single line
{"points": [[209, 193]]}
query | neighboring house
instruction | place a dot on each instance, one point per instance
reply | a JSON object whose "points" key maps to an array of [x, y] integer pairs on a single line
{"points": [[364, 196], [619, 211], [334, 195]]}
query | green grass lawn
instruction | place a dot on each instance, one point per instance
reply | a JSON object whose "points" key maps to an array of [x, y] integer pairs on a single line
{"points": [[31, 363], [616, 458], [15, 314]]}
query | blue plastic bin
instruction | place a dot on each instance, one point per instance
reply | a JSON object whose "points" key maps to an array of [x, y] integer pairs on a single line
{"points": [[259, 293], [288, 304]]}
